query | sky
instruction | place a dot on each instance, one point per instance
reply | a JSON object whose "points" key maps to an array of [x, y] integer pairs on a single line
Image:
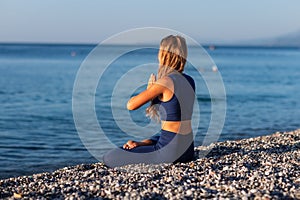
{"points": [[92, 21]]}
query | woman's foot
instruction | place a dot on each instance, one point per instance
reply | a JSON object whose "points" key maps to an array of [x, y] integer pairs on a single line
{"points": [[130, 144]]}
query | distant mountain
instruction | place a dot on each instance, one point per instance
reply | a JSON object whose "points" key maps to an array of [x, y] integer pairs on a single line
{"points": [[292, 40], [287, 40]]}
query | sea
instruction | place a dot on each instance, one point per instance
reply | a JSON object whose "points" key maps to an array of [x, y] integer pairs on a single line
{"points": [[259, 87]]}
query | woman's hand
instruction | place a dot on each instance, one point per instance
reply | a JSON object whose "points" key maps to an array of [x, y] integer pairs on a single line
{"points": [[151, 80], [130, 144]]}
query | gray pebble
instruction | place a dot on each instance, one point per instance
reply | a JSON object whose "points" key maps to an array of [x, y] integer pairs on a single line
{"points": [[264, 167]]}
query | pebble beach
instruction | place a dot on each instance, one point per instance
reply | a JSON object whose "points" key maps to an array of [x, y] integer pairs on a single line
{"points": [[265, 167]]}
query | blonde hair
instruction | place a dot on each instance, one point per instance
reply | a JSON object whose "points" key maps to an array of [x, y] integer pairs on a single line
{"points": [[172, 58]]}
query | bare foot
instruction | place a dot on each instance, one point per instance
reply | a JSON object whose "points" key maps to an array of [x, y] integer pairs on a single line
{"points": [[130, 144]]}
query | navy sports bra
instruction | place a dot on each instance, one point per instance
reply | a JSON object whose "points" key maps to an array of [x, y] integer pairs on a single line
{"points": [[180, 106]]}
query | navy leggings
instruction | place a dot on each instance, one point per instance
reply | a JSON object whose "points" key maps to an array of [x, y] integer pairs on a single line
{"points": [[167, 147]]}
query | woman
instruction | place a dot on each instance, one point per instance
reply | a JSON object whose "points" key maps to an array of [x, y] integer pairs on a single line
{"points": [[172, 97]]}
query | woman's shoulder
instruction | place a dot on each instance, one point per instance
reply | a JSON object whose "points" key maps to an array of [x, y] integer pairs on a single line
{"points": [[173, 77], [166, 81]]}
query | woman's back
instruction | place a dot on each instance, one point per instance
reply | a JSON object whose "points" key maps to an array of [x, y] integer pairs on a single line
{"points": [[180, 106]]}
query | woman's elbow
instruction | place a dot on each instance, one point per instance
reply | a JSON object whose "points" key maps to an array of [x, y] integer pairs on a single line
{"points": [[130, 106]]}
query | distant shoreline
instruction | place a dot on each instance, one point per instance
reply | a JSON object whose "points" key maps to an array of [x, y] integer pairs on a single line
{"points": [[261, 167]]}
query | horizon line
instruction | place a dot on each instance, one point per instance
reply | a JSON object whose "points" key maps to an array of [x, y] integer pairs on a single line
{"points": [[210, 44]]}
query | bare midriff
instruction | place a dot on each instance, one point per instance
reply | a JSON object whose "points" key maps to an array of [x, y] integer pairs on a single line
{"points": [[182, 127]]}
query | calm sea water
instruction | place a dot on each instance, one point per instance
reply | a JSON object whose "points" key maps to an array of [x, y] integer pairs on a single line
{"points": [[37, 129]]}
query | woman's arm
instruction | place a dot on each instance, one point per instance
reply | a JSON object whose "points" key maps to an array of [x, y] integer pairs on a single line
{"points": [[145, 142], [150, 93]]}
